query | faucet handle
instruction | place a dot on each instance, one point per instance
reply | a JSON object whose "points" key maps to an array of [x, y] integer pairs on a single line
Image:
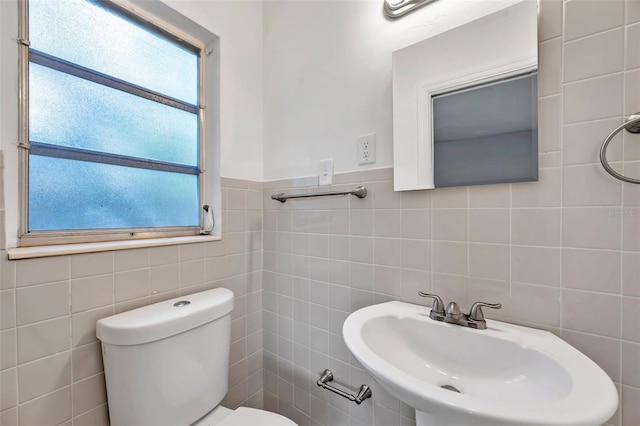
{"points": [[438, 304], [453, 311], [476, 313]]}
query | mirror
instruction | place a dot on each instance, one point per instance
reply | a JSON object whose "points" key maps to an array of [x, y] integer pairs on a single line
{"points": [[465, 103]]}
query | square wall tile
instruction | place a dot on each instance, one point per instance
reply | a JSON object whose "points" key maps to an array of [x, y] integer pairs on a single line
{"points": [[384, 197], [491, 291], [416, 199], [590, 185], [8, 309], [83, 325], [490, 196], [535, 304], [43, 376], [586, 17], [43, 339], [544, 193], [91, 292], [449, 258], [550, 20], [449, 224], [578, 308], [8, 343], [387, 251], [594, 56], [550, 123], [131, 284], [386, 223], [632, 53], [416, 224], [42, 270], [489, 225], [50, 410], [631, 364], [361, 223], [131, 259], [449, 198], [535, 227], [416, 254], [8, 389], [489, 261], [171, 254], [632, 92], [630, 405], [535, 265], [549, 67], [578, 97], [596, 270], [87, 361], [86, 265], [582, 141], [632, 12], [89, 393], [591, 228], [42, 302]]}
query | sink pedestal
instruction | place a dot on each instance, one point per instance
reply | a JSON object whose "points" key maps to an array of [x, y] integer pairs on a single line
{"points": [[426, 419]]}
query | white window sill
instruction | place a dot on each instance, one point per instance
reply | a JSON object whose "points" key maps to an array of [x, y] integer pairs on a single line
{"points": [[66, 249]]}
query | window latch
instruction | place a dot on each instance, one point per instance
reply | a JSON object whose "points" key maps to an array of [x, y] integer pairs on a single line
{"points": [[23, 41], [23, 145]]}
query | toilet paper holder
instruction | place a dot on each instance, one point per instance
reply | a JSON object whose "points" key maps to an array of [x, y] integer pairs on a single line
{"points": [[327, 376]]}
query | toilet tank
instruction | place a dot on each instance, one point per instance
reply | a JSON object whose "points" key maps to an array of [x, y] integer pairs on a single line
{"points": [[167, 363]]}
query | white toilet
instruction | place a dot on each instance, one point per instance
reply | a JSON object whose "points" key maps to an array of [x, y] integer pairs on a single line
{"points": [[167, 364]]}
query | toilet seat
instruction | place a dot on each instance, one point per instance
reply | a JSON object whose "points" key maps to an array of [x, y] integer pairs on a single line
{"points": [[244, 416]]}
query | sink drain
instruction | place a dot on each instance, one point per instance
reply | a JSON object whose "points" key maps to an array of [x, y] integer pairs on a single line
{"points": [[451, 388]]}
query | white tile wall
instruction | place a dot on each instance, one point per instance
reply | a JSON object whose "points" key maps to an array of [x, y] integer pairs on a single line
{"points": [[51, 363], [560, 254]]}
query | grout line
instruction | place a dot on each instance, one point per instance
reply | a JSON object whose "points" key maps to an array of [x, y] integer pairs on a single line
{"points": [[592, 35], [563, 84], [587, 79]]}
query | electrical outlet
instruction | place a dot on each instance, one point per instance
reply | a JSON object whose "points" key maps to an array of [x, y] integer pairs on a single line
{"points": [[367, 149], [325, 175]]}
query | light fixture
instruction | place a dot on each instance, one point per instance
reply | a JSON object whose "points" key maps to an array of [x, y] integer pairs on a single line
{"points": [[394, 9]]}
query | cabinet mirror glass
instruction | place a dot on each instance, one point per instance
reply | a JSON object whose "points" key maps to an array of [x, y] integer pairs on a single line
{"points": [[465, 103]]}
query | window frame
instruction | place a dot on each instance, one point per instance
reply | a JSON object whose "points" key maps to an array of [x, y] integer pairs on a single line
{"points": [[40, 238]]}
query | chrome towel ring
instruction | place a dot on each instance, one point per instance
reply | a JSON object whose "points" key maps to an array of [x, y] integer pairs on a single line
{"points": [[632, 125]]}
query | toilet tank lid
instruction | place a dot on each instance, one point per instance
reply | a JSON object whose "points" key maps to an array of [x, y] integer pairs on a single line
{"points": [[164, 319]]}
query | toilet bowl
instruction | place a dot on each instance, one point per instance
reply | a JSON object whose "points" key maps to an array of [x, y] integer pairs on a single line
{"points": [[243, 416], [167, 364]]}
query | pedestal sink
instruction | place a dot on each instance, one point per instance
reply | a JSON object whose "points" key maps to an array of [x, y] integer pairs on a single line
{"points": [[453, 375]]}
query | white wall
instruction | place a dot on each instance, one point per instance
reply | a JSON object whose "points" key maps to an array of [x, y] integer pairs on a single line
{"points": [[327, 77], [239, 26]]}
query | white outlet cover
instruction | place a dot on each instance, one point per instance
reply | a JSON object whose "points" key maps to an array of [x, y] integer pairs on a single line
{"points": [[367, 149], [325, 172]]}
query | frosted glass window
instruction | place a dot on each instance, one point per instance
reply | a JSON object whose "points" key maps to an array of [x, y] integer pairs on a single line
{"points": [[114, 121], [69, 111], [487, 134], [88, 34], [71, 195]]}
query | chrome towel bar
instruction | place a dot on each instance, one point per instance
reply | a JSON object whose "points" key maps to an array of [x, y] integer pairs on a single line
{"points": [[327, 376], [358, 191], [632, 125]]}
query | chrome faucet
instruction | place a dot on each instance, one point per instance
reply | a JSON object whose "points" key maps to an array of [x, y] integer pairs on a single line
{"points": [[453, 315]]}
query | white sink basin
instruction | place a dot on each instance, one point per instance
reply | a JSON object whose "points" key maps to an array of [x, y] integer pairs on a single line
{"points": [[506, 374]]}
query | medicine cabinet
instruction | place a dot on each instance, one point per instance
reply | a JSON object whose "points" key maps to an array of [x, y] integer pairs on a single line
{"points": [[465, 103]]}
